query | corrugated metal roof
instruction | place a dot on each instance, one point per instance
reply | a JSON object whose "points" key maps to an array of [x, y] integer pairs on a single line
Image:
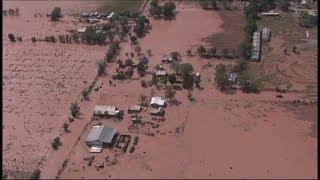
{"points": [[161, 73], [156, 110], [102, 134], [157, 100]]}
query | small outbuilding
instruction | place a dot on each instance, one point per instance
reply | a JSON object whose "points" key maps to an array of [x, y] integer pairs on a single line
{"points": [[266, 34], [233, 77], [134, 109], [101, 136], [157, 102]]}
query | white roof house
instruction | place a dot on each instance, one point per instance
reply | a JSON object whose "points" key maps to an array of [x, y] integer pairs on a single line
{"points": [[106, 110], [157, 101]]}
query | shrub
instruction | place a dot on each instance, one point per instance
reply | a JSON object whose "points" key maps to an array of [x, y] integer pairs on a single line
{"points": [[19, 39], [175, 55], [187, 81], [56, 14], [188, 52], [170, 93], [204, 4], [201, 50], [11, 37], [214, 4], [221, 77], [140, 68], [74, 109], [133, 39], [284, 5], [225, 53], [241, 66], [185, 69], [212, 51], [101, 68], [294, 49], [168, 9], [35, 174], [128, 62], [85, 93], [144, 83], [172, 79], [249, 86], [33, 39]]}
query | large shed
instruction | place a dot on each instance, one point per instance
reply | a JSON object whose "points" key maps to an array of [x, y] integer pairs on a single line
{"points": [[101, 136], [157, 101], [266, 33]]}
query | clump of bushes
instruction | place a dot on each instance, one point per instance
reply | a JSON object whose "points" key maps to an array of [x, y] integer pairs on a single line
{"points": [[91, 37], [101, 68], [167, 10], [209, 4], [141, 25], [144, 84], [50, 39], [307, 21]]}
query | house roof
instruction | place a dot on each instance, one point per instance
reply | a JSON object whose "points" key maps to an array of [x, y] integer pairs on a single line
{"points": [[101, 133], [156, 110], [157, 100]]}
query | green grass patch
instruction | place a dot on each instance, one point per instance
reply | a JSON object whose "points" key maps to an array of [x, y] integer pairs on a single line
{"points": [[121, 5]]}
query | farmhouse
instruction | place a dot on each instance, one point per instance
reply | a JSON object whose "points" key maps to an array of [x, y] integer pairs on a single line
{"points": [[266, 33], [106, 110], [159, 111], [101, 136], [157, 102]]}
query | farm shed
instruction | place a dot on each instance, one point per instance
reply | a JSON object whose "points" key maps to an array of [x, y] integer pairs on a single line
{"points": [[157, 101], [106, 110], [266, 33], [161, 72], [157, 111], [101, 136]]}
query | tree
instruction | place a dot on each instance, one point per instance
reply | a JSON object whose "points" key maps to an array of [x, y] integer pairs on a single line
{"points": [[101, 68], [168, 9], [227, 4], [172, 79], [175, 67], [251, 26], [221, 77], [128, 62], [249, 86], [19, 39], [225, 53], [201, 50], [133, 39], [212, 51], [185, 69], [35, 174], [187, 81], [175, 55], [33, 39], [17, 11], [85, 93], [170, 93], [188, 52], [245, 49], [143, 100], [140, 68], [284, 5], [11, 37], [149, 52], [137, 49], [294, 49], [214, 4], [204, 4], [56, 14], [143, 83], [74, 109], [241, 66]]}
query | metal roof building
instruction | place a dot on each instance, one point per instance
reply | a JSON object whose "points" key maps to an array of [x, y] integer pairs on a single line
{"points": [[157, 101], [100, 136], [266, 33]]}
